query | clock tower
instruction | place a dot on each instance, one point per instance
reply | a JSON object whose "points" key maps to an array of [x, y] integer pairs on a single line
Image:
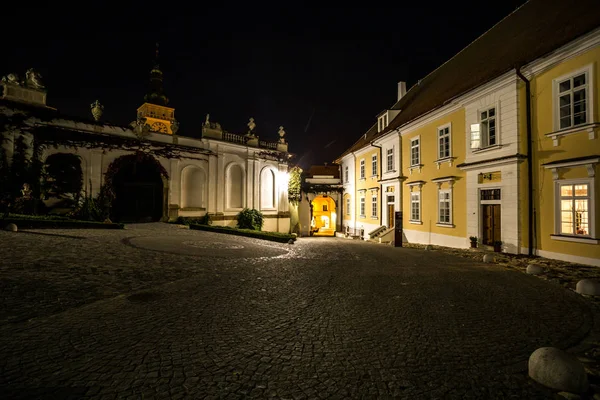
{"points": [[158, 116]]}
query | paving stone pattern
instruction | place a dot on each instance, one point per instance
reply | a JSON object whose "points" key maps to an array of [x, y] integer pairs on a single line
{"points": [[97, 314]]}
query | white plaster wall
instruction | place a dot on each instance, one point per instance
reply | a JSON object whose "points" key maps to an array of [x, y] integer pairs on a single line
{"points": [[510, 210], [505, 99], [437, 239], [391, 142]]}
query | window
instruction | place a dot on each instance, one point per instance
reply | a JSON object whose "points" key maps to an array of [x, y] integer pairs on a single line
{"points": [[325, 207], [362, 206], [572, 101], [374, 165], [488, 127], [444, 142], [575, 202], [444, 209], [348, 203], [374, 206], [490, 194], [362, 169], [390, 159], [346, 174], [415, 152], [415, 206]]}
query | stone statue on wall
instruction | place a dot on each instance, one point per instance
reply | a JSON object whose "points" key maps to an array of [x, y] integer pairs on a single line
{"points": [[174, 126], [251, 126], [281, 133], [33, 79], [11, 78]]}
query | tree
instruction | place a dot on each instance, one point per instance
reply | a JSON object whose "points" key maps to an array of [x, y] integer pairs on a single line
{"points": [[295, 184]]}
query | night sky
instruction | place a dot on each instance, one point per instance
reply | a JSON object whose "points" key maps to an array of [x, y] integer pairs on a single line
{"points": [[323, 73]]}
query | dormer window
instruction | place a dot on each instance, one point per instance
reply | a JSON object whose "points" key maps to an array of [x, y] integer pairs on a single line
{"points": [[382, 122]]}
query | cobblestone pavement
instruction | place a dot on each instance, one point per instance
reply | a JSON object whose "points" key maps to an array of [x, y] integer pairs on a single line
{"points": [[98, 314]]}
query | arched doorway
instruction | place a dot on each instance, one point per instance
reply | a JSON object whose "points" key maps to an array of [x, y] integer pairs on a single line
{"points": [[324, 216], [138, 188]]}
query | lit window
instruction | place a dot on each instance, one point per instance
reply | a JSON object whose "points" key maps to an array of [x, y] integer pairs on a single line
{"points": [[348, 203], [346, 174], [374, 165], [362, 169], [415, 206], [487, 120], [390, 159], [415, 152], [374, 206], [444, 142], [575, 201], [572, 100], [445, 207], [325, 207]]}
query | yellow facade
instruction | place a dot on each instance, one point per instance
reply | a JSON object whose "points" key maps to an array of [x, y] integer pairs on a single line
{"points": [[368, 187], [158, 118], [580, 143], [449, 178]]}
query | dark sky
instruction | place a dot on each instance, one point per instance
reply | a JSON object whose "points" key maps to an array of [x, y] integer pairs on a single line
{"points": [[278, 64]]}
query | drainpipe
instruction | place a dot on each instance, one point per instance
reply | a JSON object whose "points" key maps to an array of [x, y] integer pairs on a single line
{"points": [[380, 162], [531, 217]]}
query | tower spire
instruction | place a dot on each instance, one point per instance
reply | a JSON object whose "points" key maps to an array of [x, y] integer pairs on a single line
{"points": [[156, 93]]}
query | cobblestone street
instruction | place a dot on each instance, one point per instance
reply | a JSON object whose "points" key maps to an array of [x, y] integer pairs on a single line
{"points": [[157, 311]]}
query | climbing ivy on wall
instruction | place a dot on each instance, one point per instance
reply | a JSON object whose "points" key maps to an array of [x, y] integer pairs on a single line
{"points": [[295, 185]]}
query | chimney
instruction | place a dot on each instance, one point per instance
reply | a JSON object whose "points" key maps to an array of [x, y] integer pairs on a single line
{"points": [[401, 89]]}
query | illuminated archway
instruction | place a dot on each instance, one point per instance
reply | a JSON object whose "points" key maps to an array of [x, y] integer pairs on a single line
{"points": [[324, 216]]}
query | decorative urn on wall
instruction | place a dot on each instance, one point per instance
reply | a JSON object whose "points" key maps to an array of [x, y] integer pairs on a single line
{"points": [[97, 110]]}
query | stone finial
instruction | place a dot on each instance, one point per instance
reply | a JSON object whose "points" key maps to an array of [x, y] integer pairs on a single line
{"points": [[141, 129], [12, 79], [26, 191], [207, 122], [251, 125], [97, 110], [174, 126], [281, 133], [33, 79]]}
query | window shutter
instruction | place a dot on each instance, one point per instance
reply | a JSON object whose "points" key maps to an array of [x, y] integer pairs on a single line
{"points": [[475, 136]]}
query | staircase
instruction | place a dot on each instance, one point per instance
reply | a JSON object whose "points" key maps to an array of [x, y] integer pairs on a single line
{"points": [[374, 234]]}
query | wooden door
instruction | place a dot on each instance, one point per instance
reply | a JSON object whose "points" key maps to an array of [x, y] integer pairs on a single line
{"points": [[490, 215], [390, 216]]}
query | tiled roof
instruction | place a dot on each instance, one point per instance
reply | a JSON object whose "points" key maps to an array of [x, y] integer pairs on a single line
{"points": [[533, 30], [363, 141]]}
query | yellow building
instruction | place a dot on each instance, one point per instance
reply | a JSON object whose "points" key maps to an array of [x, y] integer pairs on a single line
{"points": [[500, 142]]}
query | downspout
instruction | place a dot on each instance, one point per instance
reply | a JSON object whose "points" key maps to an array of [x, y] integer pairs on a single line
{"points": [[380, 162], [531, 218]]}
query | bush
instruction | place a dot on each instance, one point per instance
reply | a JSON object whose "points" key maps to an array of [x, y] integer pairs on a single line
{"points": [[250, 219], [272, 236], [203, 220]]}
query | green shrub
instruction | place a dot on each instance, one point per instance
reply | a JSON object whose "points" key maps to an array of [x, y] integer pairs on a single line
{"points": [[203, 220], [250, 219]]}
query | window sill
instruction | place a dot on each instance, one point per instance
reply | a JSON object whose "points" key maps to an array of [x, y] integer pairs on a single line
{"points": [[416, 222], [415, 167], [374, 217], [578, 239], [589, 128], [485, 149], [440, 161], [441, 225], [361, 179], [390, 171]]}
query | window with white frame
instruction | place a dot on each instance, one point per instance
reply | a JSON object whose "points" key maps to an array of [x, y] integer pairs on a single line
{"points": [[362, 169], [487, 120], [348, 204], [390, 159], [374, 205], [346, 174], [415, 151], [444, 142], [573, 208], [362, 205], [572, 100], [445, 207], [415, 206], [374, 165]]}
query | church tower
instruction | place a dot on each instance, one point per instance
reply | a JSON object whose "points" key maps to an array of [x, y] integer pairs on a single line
{"points": [[159, 117]]}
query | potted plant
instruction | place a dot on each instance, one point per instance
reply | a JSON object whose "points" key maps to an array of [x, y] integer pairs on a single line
{"points": [[498, 246], [473, 240]]}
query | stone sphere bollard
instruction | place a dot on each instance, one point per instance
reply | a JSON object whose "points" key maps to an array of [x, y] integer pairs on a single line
{"points": [[488, 258], [558, 370], [588, 286], [533, 269], [291, 241], [429, 247], [11, 227]]}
